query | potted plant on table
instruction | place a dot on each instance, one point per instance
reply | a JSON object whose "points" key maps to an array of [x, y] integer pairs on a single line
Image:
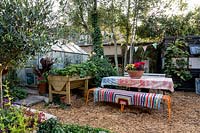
{"points": [[135, 70], [42, 74]]}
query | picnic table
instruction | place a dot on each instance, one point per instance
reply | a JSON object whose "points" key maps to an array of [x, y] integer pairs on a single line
{"points": [[149, 82]]}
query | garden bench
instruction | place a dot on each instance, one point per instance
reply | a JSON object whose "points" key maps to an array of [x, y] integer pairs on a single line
{"points": [[123, 97]]}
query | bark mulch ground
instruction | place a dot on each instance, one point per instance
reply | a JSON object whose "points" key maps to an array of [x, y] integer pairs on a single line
{"points": [[185, 115]]}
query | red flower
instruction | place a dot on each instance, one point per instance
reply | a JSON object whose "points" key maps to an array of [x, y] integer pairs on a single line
{"points": [[142, 63], [135, 66]]}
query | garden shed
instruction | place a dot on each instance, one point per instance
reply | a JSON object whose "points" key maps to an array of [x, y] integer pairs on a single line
{"points": [[61, 52]]}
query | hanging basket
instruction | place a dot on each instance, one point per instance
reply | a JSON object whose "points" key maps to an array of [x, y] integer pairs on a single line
{"points": [[135, 74]]}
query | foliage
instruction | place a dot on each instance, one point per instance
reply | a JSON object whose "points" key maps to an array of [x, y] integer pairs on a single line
{"points": [[14, 119], [135, 66], [94, 67], [46, 63], [177, 68], [19, 120], [103, 69], [11, 77], [42, 73], [154, 27], [25, 27], [96, 33], [18, 93], [53, 125], [84, 69]]}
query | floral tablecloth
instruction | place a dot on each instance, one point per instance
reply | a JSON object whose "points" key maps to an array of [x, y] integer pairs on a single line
{"points": [[149, 82]]}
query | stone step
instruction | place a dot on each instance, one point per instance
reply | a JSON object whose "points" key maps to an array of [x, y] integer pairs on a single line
{"points": [[31, 100]]}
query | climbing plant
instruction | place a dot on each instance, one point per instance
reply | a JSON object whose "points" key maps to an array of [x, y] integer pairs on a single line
{"points": [[96, 34], [176, 61]]}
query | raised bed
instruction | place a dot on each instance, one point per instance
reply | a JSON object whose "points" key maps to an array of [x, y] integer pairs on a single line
{"points": [[63, 85]]}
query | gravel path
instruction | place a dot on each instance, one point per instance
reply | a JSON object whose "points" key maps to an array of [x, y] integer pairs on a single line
{"points": [[185, 115]]}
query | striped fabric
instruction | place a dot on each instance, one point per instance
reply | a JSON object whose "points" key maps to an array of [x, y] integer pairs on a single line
{"points": [[148, 100]]}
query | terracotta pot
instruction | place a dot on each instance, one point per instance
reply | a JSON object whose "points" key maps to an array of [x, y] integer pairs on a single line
{"points": [[135, 74], [42, 87]]}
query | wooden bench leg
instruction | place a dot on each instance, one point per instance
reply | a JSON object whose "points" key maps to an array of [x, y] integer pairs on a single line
{"points": [[122, 108], [167, 99], [88, 93]]}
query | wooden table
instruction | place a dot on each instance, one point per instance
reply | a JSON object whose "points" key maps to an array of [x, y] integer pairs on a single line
{"points": [[63, 85], [149, 82]]}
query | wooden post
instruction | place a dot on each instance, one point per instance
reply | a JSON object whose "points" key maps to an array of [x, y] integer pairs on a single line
{"points": [[68, 99], [86, 88], [1, 90], [50, 93]]}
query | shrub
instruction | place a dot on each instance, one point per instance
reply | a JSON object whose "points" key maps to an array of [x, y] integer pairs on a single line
{"points": [[18, 93], [104, 69], [53, 125], [17, 120], [178, 68]]}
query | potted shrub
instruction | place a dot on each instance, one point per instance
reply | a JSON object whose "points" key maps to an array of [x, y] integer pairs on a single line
{"points": [[42, 74]]}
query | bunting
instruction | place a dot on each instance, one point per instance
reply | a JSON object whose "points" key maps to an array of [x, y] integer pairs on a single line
{"points": [[136, 48], [144, 47], [155, 45]]}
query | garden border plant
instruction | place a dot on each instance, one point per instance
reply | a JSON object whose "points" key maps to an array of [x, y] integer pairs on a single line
{"points": [[177, 68], [17, 119], [53, 125]]}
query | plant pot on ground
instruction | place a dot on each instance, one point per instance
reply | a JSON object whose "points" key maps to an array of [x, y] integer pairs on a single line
{"points": [[42, 74], [42, 87]]}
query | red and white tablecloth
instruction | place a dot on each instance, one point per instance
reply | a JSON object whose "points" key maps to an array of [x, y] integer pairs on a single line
{"points": [[150, 82]]}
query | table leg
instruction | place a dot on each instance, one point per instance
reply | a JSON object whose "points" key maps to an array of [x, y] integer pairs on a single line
{"points": [[86, 88], [50, 93], [68, 98]]}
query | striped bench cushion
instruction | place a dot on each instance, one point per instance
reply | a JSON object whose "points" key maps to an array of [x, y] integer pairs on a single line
{"points": [[148, 100]]}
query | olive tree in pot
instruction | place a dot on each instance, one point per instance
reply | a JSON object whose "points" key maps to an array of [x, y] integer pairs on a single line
{"points": [[42, 74]]}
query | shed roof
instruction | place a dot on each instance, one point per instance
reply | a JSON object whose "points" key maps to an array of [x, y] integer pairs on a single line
{"points": [[62, 46]]}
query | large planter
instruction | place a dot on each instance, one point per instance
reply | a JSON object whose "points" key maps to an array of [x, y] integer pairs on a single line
{"points": [[63, 85], [135, 74], [42, 88]]}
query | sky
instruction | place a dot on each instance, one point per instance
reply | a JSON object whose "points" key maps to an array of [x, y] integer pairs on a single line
{"points": [[191, 5]]}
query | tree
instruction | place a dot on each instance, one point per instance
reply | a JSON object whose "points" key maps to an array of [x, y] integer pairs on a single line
{"points": [[77, 14], [25, 29]]}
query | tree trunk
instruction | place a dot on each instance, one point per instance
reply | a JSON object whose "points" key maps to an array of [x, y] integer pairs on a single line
{"points": [[115, 43], [127, 33], [1, 89], [125, 56], [134, 27]]}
